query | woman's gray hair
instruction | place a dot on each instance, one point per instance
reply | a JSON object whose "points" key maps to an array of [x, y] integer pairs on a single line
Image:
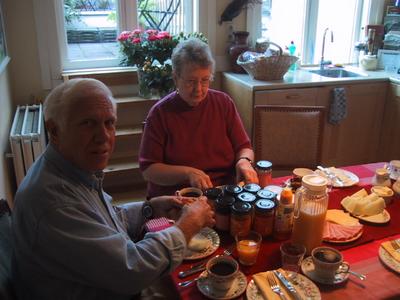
{"points": [[59, 102], [192, 51]]}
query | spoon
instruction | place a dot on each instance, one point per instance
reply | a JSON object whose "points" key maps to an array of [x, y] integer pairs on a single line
{"points": [[345, 270], [187, 282]]}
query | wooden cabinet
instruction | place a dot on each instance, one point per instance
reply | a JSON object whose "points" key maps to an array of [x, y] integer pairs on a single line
{"points": [[355, 140], [389, 147]]}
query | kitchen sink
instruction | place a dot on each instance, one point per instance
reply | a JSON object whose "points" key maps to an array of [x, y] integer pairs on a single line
{"points": [[335, 73]]}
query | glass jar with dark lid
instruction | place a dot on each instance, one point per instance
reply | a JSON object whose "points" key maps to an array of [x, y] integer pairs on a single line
{"points": [[212, 194], [222, 212], [252, 188], [264, 172], [264, 217], [240, 217], [266, 194], [232, 190], [247, 197]]}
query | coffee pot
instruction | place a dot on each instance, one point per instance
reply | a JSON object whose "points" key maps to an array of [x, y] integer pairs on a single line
{"points": [[311, 204]]}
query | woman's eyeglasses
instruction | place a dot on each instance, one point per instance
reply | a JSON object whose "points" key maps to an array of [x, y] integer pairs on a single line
{"points": [[190, 83]]}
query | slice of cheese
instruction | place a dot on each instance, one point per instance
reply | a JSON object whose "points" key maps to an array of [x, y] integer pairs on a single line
{"points": [[338, 216], [199, 243]]}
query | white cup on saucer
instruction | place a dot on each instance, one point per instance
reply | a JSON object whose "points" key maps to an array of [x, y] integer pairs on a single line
{"points": [[327, 262], [222, 271]]}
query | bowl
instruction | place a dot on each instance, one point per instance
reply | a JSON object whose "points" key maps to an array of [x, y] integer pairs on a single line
{"points": [[383, 191]]}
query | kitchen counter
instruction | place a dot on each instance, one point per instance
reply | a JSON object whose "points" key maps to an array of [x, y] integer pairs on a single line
{"points": [[303, 78]]}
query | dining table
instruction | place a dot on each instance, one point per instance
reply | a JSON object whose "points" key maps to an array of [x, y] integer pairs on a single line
{"points": [[362, 254]]}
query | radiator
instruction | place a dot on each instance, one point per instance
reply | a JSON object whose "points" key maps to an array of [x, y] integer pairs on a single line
{"points": [[27, 138]]}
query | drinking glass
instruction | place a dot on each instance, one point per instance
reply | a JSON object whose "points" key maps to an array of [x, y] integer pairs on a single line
{"points": [[248, 245], [292, 254]]}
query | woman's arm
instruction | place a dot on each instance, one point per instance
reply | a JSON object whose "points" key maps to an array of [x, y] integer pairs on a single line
{"points": [[244, 168]]}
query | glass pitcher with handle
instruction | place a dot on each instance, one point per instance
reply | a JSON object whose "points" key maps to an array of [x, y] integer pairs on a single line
{"points": [[311, 204]]}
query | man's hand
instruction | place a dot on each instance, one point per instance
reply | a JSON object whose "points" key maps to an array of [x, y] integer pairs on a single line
{"points": [[167, 206], [194, 217], [245, 172]]}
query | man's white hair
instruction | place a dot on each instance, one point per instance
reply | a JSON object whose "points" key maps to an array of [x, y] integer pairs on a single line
{"points": [[59, 102]]}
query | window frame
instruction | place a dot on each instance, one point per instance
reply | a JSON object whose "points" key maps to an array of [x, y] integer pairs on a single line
{"points": [[371, 14], [52, 41]]}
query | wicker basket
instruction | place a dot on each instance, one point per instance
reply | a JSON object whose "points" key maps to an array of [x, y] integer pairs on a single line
{"points": [[268, 68]]}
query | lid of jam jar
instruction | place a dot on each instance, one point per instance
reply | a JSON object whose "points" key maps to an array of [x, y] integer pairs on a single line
{"points": [[264, 165], [252, 188], [232, 189], [213, 193], [264, 205], [266, 194], [223, 204], [241, 208], [247, 197]]}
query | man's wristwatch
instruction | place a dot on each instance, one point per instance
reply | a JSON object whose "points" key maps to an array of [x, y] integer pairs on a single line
{"points": [[147, 211], [246, 158]]}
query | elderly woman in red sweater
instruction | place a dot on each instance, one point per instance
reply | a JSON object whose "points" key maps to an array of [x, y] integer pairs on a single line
{"points": [[194, 136]]}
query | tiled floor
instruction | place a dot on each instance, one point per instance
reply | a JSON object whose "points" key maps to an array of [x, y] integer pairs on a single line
{"points": [[93, 50]]}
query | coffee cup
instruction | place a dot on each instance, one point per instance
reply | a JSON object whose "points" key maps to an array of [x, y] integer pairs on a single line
{"points": [[222, 271], [328, 262], [191, 192], [394, 169]]}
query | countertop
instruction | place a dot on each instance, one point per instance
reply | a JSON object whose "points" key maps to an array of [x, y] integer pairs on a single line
{"points": [[303, 78]]}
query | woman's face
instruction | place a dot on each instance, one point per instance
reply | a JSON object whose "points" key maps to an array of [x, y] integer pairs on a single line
{"points": [[193, 83]]}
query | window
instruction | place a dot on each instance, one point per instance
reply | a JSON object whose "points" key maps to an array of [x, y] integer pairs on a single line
{"points": [[92, 26], [304, 22]]}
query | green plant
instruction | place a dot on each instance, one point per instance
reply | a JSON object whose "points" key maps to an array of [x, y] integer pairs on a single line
{"points": [[70, 11]]}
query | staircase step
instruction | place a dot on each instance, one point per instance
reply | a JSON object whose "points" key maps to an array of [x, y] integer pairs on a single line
{"points": [[134, 194], [133, 110]]}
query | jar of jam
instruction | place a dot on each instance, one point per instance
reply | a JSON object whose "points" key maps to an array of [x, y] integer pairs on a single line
{"points": [[212, 195], [232, 190], [223, 211], [266, 194], [264, 172], [240, 218], [251, 188], [264, 217], [247, 197]]}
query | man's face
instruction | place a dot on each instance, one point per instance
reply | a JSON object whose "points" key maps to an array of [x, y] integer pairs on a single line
{"points": [[89, 135]]}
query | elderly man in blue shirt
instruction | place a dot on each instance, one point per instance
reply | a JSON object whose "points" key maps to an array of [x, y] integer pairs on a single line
{"points": [[69, 241]]}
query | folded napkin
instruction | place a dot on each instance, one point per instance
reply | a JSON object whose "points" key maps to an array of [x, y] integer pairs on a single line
{"points": [[262, 283], [389, 248], [338, 106]]}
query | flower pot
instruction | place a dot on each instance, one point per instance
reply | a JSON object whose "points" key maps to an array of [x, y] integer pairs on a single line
{"points": [[155, 81]]}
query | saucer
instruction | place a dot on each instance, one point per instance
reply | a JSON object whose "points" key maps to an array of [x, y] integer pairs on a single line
{"points": [[238, 287], [307, 267]]}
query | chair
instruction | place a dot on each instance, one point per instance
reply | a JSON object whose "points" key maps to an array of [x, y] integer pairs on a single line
{"points": [[288, 136], [6, 289]]}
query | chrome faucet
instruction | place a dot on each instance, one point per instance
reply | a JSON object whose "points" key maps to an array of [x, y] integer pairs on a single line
{"points": [[323, 62]]}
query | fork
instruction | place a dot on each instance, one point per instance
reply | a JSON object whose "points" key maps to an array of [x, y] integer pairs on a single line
{"points": [[274, 285], [198, 268]]}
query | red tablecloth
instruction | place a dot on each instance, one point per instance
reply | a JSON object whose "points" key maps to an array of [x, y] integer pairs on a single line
{"points": [[269, 257]]}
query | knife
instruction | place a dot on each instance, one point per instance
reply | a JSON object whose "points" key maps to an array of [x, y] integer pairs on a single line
{"points": [[183, 274], [287, 284]]}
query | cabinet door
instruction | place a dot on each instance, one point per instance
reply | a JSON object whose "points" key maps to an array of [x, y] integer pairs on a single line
{"points": [[389, 147], [355, 139], [292, 97]]}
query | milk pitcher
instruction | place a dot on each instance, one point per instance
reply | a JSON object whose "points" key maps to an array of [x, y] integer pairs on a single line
{"points": [[311, 203]]}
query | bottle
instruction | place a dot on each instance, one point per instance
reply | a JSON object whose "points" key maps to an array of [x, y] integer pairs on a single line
{"points": [[292, 51], [264, 172], [284, 215], [311, 204]]}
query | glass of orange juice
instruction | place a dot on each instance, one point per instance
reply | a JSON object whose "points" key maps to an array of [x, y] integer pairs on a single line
{"points": [[248, 245]]}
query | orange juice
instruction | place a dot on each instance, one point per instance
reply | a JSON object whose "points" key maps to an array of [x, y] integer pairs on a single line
{"points": [[309, 225], [248, 251]]}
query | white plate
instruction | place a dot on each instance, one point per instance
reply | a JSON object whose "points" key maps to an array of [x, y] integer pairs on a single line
{"points": [[238, 287], [388, 260], [301, 283], [348, 177], [381, 218], [308, 269], [205, 233], [345, 241]]}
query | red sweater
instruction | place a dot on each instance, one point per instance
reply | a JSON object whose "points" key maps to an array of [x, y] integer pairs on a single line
{"points": [[205, 137]]}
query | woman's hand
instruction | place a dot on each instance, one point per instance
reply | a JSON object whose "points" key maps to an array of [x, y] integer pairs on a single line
{"points": [[199, 179], [245, 172]]}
